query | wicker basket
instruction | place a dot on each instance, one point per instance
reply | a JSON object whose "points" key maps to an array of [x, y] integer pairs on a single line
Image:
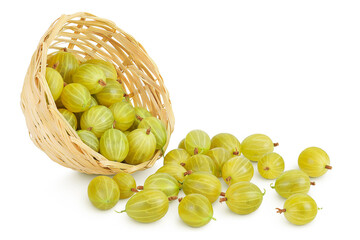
{"points": [[88, 36]]}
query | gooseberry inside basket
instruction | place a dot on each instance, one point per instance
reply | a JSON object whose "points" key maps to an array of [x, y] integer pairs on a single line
{"points": [[88, 36]]}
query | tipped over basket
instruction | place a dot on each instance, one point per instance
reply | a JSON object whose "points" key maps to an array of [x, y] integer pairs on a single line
{"points": [[88, 36]]}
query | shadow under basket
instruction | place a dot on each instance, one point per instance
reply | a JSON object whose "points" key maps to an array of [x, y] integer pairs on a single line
{"points": [[88, 36]]}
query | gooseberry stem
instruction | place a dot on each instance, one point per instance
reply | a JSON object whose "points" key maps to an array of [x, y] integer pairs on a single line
{"points": [[65, 49], [328, 167], [119, 81], [134, 190], [55, 65], [120, 211], [213, 218], [140, 187], [148, 131], [224, 199], [139, 118], [267, 168], [187, 172], [276, 144], [280, 210], [222, 194], [196, 151], [228, 179], [312, 183], [102, 83], [272, 185], [236, 152], [172, 198], [89, 128], [179, 199], [182, 164]]}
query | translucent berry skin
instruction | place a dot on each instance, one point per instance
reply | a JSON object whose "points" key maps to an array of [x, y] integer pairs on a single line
{"points": [[243, 197], [237, 169], [69, 117], [182, 144], [140, 113], [195, 210], [91, 76], [113, 92], [200, 163], [177, 156], [157, 128], [291, 182], [97, 119], [76, 98], [55, 82], [163, 182], [147, 206], [89, 139], [255, 146], [177, 171], [227, 141], [271, 165], [103, 192], [300, 209], [219, 155], [197, 139], [124, 115], [126, 183], [314, 161], [108, 69], [142, 146], [203, 183], [65, 63], [114, 145]]}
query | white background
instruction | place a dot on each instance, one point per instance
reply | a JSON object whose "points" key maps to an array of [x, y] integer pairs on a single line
{"points": [[288, 69]]}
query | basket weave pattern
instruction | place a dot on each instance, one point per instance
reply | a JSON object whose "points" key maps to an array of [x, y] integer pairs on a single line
{"points": [[88, 36]]}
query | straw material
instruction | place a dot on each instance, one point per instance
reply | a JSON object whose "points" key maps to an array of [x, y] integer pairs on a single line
{"points": [[88, 36]]}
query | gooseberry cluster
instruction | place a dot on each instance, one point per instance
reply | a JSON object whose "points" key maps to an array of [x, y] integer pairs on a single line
{"points": [[196, 166], [95, 104]]}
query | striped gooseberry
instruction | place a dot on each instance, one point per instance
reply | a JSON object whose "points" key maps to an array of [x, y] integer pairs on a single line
{"points": [[69, 117], [113, 92], [147, 206], [114, 145], [203, 183], [124, 115], [55, 82], [255, 146], [97, 119], [177, 171], [299, 209], [237, 169], [291, 182], [243, 197], [271, 165], [108, 69], [126, 183], [65, 63], [314, 161], [89, 139], [227, 141], [103, 192], [197, 139], [76, 98], [200, 163], [177, 156], [182, 144], [219, 155], [91, 76], [142, 146], [157, 128], [195, 210], [92, 103], [163, 182]]}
